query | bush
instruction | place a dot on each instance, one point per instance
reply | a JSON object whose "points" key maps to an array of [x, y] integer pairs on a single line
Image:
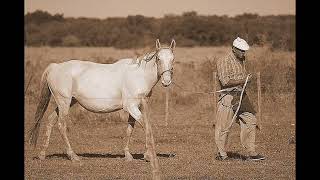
{"points": [[188, 29], [71, 40]]}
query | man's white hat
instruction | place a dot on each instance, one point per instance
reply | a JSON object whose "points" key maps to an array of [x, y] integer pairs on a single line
{"points": [[240, 44]]}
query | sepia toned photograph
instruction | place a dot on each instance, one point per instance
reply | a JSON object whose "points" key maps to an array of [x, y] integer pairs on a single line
{"points": [[159, 89]]}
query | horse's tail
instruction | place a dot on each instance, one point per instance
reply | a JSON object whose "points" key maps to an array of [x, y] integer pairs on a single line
{"points": [[45, 95]]}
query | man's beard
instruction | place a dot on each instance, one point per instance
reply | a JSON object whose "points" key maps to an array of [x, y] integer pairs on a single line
{"points": [[241, 58]]}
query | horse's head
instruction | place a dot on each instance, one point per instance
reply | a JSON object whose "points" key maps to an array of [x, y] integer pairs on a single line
{"points": [[165, 59]]}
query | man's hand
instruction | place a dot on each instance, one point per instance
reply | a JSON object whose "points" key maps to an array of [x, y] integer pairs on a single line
{"points": [[233, 83], [239, 82]]}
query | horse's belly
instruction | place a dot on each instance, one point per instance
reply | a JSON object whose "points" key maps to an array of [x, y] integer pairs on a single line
{"points": [[100, 105], [97, 91]]}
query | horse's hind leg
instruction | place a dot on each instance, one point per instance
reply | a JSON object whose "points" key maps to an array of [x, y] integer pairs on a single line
{"points": [[63, 131], [131, 123], [52, 120], [63, 102]]}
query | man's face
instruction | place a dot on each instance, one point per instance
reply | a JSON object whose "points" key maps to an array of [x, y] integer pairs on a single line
{"points": [[240, 54]]}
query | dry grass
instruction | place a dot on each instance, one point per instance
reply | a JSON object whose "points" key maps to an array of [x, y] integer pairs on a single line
{"points": [[99, 138]]}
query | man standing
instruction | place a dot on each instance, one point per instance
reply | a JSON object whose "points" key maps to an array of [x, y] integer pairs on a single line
{"points": [[232, 76]]}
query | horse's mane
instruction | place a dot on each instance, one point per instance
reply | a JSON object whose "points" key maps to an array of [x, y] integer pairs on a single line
{"points": [[145, 57]]}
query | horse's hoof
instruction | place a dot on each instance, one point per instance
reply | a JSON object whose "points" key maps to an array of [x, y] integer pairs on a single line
{"points": [[42, 156], [75, 159], [128, 157], [146, 157]]}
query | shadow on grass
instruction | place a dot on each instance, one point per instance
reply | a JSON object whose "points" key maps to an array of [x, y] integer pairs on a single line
{"points": [[107, 155], [235, 155]]}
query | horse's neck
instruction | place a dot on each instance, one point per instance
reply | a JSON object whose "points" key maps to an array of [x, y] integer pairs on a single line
{"points": [[150, 68], [150, 61]]}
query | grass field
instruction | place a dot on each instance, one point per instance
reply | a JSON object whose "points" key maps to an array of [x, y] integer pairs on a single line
{"points": [[185, 147]]}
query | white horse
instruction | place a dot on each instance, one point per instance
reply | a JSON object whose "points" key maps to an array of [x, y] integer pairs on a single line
{"points": [[102, 88]]}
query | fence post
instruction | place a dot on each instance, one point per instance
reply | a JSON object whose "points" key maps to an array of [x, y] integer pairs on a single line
{"points": [[214, 75], [167, 106], [259, 116]]}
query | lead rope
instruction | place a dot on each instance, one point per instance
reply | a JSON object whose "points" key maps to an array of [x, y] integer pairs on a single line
{"points": [[194, 92]]}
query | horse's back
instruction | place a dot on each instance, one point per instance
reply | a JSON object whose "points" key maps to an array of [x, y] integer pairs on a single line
{"points": [[71, 68], [84, 77], [77, 66]]}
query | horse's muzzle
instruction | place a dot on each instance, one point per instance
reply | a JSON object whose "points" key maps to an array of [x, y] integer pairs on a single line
{"points": [[166, 78], [166, 84]]}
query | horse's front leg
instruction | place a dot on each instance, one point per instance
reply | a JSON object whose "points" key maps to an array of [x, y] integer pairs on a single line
{"points": [[131, 123], [134, 115]]}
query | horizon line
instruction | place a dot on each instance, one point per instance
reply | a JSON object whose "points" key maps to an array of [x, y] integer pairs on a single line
{"points": [[169, 14]]}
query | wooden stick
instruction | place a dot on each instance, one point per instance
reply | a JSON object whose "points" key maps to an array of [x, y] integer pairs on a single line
{"points": [[167, 105], [214, 75], [150, 142], [240, 101], [259, 98]]}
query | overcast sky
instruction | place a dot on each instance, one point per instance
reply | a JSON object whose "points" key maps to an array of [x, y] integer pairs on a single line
{"points": [[158, 8]]}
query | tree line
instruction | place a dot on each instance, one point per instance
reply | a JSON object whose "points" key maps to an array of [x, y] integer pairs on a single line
{"points": [[189, 29]]}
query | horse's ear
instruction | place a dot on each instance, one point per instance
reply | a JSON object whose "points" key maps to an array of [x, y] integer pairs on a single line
{"points": [[158, 45], [173, 44]]}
